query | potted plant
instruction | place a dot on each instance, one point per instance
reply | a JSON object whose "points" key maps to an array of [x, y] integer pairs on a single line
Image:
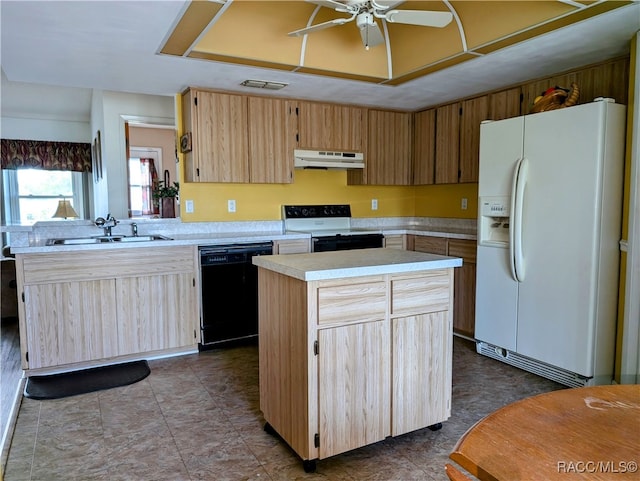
{"points": [[165, 196]]}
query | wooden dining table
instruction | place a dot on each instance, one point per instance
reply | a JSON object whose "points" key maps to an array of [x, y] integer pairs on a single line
{"points": [[571, 434]]}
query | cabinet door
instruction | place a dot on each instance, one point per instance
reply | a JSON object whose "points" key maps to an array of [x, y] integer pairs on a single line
{"points": [[505, 104], [447, 143], [354, 386], [430, 244], [464, 307], [156, 312], [424, 147], [221, 137], [474, 111], [69, 322], [332, 127], [272, 138], [388, 159], [422, 363]]}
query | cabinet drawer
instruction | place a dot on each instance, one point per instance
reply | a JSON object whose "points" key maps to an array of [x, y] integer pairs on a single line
{"points": [[295, 246], [418, 294], [395, 241], [352, 302], [463, 248], [107, 263], [432, 245]]}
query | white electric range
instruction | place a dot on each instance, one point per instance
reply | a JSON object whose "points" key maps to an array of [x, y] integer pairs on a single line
{"points": [[329, 226]]}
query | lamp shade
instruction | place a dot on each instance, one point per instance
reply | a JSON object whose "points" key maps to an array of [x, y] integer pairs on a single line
{"points": [[64, 210]]}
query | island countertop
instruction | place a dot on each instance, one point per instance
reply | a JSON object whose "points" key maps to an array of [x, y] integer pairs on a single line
{"points": [[353, 263]]}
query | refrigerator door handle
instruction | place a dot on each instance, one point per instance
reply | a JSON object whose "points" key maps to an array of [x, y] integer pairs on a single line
{"points": [[515, 233]]}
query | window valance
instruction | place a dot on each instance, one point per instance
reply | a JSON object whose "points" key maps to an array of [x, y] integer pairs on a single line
{"points": [[38, 154]]}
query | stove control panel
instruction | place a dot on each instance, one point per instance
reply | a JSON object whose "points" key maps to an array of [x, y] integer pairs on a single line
{"points": [[311, 211]]}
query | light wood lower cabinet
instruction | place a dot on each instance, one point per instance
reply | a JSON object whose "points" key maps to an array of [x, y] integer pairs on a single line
{"points": [[464, 311], [95, 306], [293, 246], [70, 322], [330, 383], [395, 241], [353, 386]]}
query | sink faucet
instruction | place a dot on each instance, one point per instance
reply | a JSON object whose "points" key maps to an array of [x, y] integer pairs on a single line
{"points": [[106, 224], [134, 229]]}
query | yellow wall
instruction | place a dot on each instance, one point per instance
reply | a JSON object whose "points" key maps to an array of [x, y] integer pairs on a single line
{"points": [[264, 201]]}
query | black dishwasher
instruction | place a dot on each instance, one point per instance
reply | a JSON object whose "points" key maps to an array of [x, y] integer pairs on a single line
{"points": [[229, 307]]}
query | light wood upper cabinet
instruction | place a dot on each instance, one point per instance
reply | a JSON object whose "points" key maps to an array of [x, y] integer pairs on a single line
{"points": [[608, 79], [388, 157], [505, 104], [424, 147], [273, 126], [218, 123], [458, 140], [473, 112], [332, 127], [447, 143]]}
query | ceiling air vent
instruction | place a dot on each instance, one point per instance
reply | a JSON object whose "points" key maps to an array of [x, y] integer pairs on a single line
{"points": [[263, 84]]}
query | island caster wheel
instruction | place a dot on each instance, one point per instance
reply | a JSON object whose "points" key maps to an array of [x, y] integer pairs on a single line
{"points": [[436, 427], [309, 465], [269, 429]]}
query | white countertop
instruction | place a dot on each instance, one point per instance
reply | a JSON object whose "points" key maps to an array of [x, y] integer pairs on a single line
{"points": [[353, 263], [214, 234]]}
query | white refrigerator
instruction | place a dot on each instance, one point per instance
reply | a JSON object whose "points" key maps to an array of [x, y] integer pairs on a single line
{"points": [[549, 225]]}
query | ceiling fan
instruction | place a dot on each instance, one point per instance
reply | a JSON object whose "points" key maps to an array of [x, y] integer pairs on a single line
{"points": [[364, 12]]}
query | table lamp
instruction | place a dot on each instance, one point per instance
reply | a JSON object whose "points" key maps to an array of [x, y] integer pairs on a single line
{"points": [[64, 210]]}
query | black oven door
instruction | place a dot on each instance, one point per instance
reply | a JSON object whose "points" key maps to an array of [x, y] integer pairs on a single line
{"points": [[346, 242]]}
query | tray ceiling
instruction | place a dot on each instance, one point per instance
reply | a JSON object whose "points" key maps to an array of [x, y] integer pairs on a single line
{"points": [[254, 33]]}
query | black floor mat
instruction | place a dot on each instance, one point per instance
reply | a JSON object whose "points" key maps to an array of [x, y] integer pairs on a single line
{"points": [[55, 386]]}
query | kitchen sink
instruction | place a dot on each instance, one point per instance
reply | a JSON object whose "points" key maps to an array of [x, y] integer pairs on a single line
{"points": [[104, 239]]}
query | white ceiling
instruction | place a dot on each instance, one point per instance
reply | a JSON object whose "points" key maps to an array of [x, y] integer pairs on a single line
{"points": [[112, 45]]}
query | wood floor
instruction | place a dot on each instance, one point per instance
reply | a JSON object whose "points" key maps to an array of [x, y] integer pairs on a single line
{"points": [[10, 372]]}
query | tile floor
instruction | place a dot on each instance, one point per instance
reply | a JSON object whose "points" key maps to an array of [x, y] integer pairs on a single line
{"points": [[197, 417]]}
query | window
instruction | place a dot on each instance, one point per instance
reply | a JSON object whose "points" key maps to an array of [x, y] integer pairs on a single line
{"points": [[143, 162], [32, 195]]}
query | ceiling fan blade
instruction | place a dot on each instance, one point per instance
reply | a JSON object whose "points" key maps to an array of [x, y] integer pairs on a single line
{"points": [[419, 17], [385, 4], [340, 7], [371, 35], [319, 26]]}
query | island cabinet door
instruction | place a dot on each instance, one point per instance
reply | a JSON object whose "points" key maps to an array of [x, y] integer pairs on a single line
{"points": [[421, 360], [69, 322], [354, 386]]}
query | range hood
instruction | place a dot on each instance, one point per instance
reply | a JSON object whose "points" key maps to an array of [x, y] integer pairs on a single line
{"points": [[326, 159]]}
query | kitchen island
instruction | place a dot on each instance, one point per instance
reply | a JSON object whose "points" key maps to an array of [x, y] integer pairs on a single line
{"points": [[355, 346]]}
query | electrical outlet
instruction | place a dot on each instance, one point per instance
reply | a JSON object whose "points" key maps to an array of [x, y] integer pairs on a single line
{"points": [[463, 204], [188, 206], [231, 205], [374, 204]]}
